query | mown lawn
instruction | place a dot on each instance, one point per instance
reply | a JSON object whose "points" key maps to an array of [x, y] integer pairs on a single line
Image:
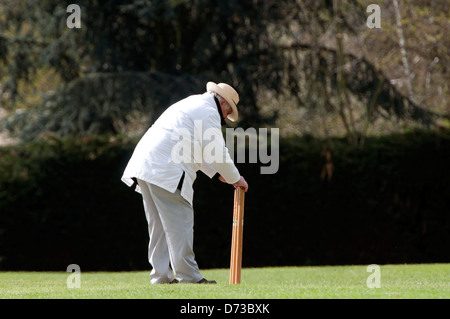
{"points": [[418, 281]]}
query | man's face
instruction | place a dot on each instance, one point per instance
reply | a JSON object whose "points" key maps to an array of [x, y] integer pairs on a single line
{"points": [[226, 109]]}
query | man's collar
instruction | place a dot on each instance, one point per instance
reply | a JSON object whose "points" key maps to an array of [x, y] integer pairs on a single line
{"points": [[219, 109]]}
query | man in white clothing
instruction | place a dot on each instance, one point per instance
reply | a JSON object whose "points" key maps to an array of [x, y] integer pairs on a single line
{"points": [[163, 168]]}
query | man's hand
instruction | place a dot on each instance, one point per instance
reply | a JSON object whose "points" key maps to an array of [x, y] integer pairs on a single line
{"points": [[222, 179], [240, 183]]}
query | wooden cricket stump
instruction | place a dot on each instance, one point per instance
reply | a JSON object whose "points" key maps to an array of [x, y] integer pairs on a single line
{"points": [[236, 240]]}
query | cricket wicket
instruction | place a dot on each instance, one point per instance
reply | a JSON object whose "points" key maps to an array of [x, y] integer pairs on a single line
{"points": [[236, 241]]}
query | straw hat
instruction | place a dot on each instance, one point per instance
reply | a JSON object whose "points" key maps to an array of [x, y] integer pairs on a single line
{"points": [[229, 94]]}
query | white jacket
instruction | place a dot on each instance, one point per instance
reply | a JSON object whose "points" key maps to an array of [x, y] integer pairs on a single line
{"points": [[153, 159]]}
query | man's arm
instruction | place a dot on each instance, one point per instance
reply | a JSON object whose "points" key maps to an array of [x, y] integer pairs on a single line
{"points": [[216, 157], [240, 183]]}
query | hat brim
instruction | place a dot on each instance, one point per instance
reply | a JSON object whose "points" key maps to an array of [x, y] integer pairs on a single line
{"points": [[213, 87]]}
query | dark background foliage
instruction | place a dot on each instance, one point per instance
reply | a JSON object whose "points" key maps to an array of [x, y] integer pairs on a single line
{"points": [[141, 55], [363, 116], [63, 202]]}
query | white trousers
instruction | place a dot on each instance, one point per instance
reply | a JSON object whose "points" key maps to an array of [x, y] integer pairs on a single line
{"points": [[171, 229]]}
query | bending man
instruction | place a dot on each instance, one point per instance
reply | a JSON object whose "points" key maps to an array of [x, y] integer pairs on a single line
{"points": [[163, 167]]}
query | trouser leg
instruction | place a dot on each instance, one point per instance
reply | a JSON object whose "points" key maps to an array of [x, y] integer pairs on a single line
{"points": [[177, 219], [158, 251]]}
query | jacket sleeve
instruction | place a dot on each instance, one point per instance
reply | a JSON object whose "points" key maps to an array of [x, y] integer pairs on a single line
{"points": [[216, 157], [208, 169]]}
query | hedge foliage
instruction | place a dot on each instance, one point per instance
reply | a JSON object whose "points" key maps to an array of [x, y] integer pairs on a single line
{"points": [[62, 202]]}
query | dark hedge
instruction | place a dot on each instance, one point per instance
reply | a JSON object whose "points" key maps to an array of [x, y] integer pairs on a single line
{"points": [[62, 202]]}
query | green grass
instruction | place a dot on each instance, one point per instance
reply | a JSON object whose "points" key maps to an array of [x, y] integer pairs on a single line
{"points": [[418, 281]]}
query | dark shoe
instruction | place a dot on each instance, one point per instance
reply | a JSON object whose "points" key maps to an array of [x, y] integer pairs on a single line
{"points": [[175, 281], [204, 281]]}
